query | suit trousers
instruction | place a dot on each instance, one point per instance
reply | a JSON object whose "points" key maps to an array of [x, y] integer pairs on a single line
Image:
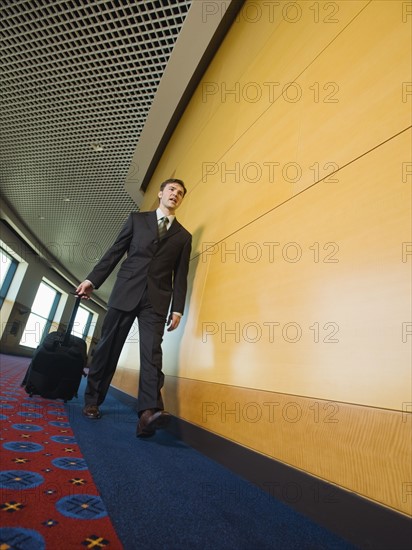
{"points": [[115, 329]]}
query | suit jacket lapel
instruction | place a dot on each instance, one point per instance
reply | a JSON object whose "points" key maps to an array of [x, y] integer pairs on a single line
{"points": [[174, 228], [151, 220]]}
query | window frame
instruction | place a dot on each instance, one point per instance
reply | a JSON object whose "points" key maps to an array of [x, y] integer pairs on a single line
{"points": [[50, 316], [11, 271]]}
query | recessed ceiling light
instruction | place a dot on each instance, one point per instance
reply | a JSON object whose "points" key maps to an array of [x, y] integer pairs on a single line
{"points": [[66, 199], [41, 217], [97, 148]]}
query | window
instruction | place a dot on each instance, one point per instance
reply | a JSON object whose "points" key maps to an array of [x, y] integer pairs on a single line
{"points": [[8, 266], [41, 317], [82, 322]]}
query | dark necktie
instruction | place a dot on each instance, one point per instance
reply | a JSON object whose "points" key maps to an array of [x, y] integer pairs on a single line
{"points": [[162, 227]]}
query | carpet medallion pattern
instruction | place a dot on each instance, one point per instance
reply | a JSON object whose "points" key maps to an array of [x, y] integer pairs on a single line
{"points": [[48, 498]]}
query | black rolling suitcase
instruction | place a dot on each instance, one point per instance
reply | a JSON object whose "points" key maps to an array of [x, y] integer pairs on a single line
{"points": [[58, 364]]}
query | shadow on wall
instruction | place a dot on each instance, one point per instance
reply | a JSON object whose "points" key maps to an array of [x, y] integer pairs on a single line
{"points": [[174, 352]]}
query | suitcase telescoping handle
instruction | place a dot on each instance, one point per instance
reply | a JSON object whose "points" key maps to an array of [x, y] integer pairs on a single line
{"points": [[69, 329]]}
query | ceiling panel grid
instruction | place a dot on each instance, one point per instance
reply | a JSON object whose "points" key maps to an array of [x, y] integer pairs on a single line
{"points": [[78, 79]]}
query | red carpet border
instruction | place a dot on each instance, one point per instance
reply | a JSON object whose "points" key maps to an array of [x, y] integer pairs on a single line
{"points": [[48, 499]]}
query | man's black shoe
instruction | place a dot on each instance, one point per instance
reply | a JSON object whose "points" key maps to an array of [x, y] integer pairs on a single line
{"points": [[92, 411], [150, 421]]}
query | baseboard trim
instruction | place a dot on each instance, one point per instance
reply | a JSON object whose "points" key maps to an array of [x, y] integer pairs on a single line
{"points": [[362, 522]]}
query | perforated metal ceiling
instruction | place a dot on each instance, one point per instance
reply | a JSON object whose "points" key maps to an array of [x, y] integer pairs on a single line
{"points": [[77, 81]]}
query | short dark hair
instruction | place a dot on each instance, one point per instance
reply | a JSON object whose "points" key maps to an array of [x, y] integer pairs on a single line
{"points": [[173, 180]]}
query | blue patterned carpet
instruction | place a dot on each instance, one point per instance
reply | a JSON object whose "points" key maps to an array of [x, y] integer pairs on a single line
{"points": [[163, 495], [48, 499]]}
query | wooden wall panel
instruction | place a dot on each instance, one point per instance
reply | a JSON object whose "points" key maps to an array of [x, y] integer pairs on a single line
{"points": [[264, 139], [363, 449], [327, 268]]}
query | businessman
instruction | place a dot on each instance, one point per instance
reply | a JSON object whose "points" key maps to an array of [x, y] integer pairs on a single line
{"points": [[150, 286]]}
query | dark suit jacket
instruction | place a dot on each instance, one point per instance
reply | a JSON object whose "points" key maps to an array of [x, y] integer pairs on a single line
{"points": [[162, 266]]}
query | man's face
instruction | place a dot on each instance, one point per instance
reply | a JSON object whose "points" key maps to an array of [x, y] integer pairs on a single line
{"points": [[171, 196]]}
